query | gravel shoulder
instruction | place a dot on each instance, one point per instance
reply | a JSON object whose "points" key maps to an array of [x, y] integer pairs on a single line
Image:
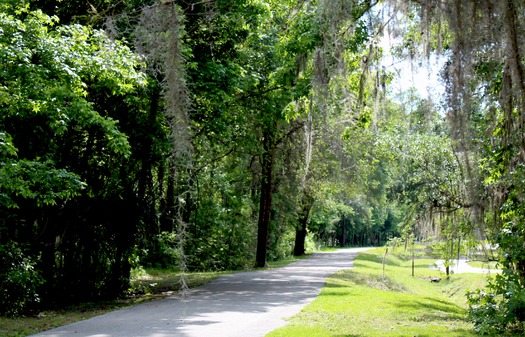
{"points": [[235, 305]]}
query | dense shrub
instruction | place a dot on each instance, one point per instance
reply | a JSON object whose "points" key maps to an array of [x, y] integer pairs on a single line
{"points": [[162, 251], [501, 307], [493, 313], [19, 281]]}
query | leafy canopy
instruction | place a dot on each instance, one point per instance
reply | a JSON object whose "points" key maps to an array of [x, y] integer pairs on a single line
{"points": [[46, 75]]}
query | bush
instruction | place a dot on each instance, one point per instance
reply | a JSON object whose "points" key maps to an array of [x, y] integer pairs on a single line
{"points": [[484, 312], [500, 307], [162, 252], [19, 281], [281, 244]]}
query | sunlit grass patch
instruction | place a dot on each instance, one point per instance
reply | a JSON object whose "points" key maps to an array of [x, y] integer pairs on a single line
{"points": [[364, 302]]}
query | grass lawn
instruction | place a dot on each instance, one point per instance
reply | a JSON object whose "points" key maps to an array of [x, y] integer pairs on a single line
{"points": [[359, 302]]}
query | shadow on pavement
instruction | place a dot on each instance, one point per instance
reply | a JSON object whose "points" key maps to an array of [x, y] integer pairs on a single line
{"points": [[242, 304]]}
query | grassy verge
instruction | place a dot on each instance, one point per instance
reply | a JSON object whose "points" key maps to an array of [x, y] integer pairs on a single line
{"points": [[19, 327], [360, 302], [285, 261]]}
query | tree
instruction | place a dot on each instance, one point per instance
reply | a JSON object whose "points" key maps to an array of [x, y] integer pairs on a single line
{"points": [[62, 147], [249, 125], [485, 103]]}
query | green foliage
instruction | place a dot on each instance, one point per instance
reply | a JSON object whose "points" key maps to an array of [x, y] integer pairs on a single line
{"points": [[485, 313], [7, 150], [162, 252], [285, 107], [227, 243], [395, 172], [394, 243], [47, 75], [20, 282], [487, 100], [37, 181], [498, 308], [282, 241], [64, 92], [501, 306]]}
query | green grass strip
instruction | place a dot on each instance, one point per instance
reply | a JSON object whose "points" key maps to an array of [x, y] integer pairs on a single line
{"points": [[360, 302]]}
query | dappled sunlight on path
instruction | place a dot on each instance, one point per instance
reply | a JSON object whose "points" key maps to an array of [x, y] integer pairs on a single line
{"points": [[242, 304]]}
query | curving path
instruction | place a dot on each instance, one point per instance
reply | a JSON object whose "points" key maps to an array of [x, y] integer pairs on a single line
{"points": [[462, 266], [236, 305]]}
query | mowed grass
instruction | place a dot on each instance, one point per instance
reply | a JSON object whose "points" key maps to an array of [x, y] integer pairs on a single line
{"points": [[360, 302]]}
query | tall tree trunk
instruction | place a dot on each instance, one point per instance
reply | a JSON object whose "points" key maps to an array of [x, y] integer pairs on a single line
{"points": [[48, 264], [343, 235], [300, 238], [265, 205], [167, 218], [300, 232]]}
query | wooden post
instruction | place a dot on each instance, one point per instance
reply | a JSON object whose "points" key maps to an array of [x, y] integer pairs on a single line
{"points": [[413, 253], [384, 260]]}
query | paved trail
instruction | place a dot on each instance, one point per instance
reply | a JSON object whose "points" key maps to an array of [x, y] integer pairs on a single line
{"points": [[237, 305], [462, 266]]}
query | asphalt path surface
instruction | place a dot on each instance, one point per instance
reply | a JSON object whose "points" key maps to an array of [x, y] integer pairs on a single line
{"points": [[248, 304], [462, 266]]}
